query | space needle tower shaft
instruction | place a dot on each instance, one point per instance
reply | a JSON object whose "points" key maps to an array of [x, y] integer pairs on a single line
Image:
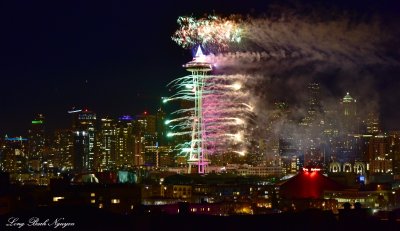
{"points": [[199, 69]]}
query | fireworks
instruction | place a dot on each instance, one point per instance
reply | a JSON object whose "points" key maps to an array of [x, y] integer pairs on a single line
{"points": [[296, 39], [212, 31], [215, 121], [277, 54]]}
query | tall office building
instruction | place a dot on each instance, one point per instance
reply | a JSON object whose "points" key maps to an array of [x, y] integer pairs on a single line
{"points": [[313, 128], [395, 152], [106, 141], [84, 140], [314, 107], [148, 124], [64, 149], [380, 156], [13, 155], [350, 123], [36, 139], [314, 100], [372, 124], [161, 131], [126, 143], [290, 155]]}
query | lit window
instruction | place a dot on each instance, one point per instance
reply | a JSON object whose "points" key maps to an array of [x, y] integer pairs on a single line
{"points": [[115, 201], [100, 206], [55, 199], [92, 201], [93, 194]]}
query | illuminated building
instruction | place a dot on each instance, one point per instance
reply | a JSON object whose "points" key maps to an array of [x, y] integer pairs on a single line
{"points": [[64, 147], [372, 124], [116, 198], [84, 140], [13, 155], [395, 151], [149, 125], [161, 127], [263, 171], [306, 190], [36, 142], [314, 104], [291, 158], [127, 144], [349, 115], [106, 141], [380, 156], [165, 156], [312, 125], [314, 99], [308, 183], [374, 199]]}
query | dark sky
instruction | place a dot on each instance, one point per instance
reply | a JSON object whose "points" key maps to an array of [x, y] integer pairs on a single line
{"points": [[113, 57]]}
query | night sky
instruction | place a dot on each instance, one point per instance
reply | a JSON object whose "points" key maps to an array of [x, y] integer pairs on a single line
{"points": [[113, 57]]}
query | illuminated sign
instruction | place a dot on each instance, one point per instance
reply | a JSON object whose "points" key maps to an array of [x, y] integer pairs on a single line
{"points": [[16, 139], [74, 111], [126, 117], [311, 169], [37, 121]]}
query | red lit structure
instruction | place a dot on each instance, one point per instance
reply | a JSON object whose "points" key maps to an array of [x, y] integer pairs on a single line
{"points": [[310, 183]]}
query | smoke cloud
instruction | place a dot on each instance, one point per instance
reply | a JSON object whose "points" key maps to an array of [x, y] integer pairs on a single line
{"points": [[284, 54]]}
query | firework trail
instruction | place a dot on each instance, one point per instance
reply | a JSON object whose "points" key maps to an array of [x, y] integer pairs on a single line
{"points": [[224, 104], [224, 113], [256, 52], [291, 38]]}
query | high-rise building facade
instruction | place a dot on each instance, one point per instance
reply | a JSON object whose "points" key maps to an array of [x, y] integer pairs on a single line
{"points": [[106, 140], [380, 157], [14, 155], [84, 141], [36, 142], [314, 100], [63, 145], [350, 123], [161, 131], [395, 152], [372, 124], [149, 126], [125, 143]]}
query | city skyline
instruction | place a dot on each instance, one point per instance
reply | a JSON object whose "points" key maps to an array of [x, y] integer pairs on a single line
{"points": [[101, 58], [157, 115], [320, 112]]}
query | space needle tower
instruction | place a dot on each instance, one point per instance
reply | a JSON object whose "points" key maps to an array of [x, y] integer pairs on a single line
{"points": [[199, 69]]}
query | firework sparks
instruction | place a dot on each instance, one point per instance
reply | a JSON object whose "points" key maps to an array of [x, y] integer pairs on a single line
{"points": [[224, 112], [212, 31]]}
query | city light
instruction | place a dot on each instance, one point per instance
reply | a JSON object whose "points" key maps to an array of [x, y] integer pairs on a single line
{"points": [[281, 111]]}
